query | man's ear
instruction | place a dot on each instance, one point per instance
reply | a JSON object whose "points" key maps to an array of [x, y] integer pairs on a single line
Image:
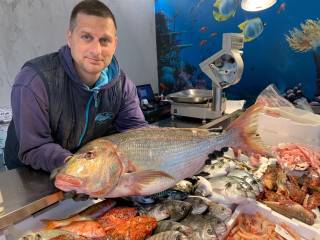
{"points": [[116, 41], [68, 37]]}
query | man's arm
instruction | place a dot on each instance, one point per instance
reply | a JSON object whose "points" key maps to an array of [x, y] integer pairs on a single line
{"points": [[29, 102], [130, 114]]}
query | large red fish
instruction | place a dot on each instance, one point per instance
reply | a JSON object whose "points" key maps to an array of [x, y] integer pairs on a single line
{"points": [[149, 160]]}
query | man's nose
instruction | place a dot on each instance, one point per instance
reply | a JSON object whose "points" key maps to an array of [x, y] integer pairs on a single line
{"points": [[96, 47]]}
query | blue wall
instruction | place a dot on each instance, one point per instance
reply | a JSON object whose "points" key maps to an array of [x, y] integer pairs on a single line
{"points": [[267, 59]]}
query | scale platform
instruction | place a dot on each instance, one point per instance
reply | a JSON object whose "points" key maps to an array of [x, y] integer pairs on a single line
{"points": [[196, 103]]}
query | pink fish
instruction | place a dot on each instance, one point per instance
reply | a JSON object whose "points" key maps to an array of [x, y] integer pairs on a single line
{"points": [[203, 42], [281, 8], [203, 29]]}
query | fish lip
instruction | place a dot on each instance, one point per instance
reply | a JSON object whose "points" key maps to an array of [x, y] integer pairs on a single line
{"points": [[67, 182]]}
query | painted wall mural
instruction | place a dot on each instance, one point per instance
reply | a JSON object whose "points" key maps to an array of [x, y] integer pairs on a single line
{"points": [[282, 46]]}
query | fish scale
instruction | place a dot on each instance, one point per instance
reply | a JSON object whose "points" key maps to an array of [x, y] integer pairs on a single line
{"points": [[167, 155]]}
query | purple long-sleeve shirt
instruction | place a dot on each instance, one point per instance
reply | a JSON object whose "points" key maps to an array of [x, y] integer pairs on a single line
{"points": [[30, 107]]}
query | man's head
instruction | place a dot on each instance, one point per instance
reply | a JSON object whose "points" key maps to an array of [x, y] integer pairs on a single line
{"points": [[92, 38]]}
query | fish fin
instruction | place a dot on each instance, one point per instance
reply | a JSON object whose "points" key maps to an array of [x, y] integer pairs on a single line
{"points": [[246, 39], [243, 25], [50, 224], [141, 183], [245, 127], [57, 223], [130, 167], [203, 174], [217, 3], [219, 17]]}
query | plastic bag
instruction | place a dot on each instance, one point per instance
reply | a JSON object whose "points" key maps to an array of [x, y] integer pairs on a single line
{"points": [[281, 122], [272, 98]]}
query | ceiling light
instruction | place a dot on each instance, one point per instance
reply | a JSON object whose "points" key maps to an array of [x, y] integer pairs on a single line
{"points": [[256, 5]]}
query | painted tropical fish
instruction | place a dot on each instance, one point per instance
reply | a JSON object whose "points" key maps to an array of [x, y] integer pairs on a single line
{"points": [[224, 9], [252, 28]]}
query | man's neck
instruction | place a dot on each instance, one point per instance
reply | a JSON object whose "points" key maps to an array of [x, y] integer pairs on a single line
{"points": [[89, 80]]}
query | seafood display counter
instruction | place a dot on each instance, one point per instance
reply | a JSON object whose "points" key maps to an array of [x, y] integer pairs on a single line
{"points": [[25, 191]]}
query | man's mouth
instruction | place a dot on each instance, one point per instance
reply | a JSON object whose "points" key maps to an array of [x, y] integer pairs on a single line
{"points": [[94, 60]]}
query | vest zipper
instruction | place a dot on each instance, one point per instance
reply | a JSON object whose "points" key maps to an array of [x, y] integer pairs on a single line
{"points": [[95, 96], [86, 120]]}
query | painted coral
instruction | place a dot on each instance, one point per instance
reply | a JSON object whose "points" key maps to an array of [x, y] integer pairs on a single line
{"points": [[308, 38]]}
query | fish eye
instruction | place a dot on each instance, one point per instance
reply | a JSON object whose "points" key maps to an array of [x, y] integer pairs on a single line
{"points": [[179, 237], [89, 155], [178, 228], [210, 231], [37, 237]]}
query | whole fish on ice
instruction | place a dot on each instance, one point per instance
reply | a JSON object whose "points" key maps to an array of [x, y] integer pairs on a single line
{"points": [[149, 160]]}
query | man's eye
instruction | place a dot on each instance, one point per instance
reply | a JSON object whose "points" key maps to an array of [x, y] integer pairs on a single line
{"points": [[104, 41], [86, 37]]}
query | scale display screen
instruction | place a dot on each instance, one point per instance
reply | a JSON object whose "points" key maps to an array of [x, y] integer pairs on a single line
{"points": [[145, 92]]}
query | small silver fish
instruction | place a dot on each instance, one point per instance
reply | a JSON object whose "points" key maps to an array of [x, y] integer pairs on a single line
{"points": [[219, 226], [203, 187], [250, 191], [198, 204], [168, 225], [219, 198], [158, 211], [203, 228], [249, 178], [229, 188], [177, 209], [184, 186], [170, 194], [219, 211], [219, 168]]}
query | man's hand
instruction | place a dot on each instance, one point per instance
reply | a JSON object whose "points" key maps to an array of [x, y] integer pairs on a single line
{"points": [[75, 196]]}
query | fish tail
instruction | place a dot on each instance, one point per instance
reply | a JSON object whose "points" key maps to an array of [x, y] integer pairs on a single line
{"points": [[244, 128], [51, 224]]}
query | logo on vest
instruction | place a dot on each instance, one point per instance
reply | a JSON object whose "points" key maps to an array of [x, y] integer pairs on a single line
{"points": [[103, 117]]}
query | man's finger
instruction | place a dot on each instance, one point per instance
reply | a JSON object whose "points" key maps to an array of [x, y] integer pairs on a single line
{"points": [[80, 197], [68, 195]]}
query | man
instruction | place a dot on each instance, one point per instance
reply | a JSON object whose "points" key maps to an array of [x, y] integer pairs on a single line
{"points": [[63, 100]]}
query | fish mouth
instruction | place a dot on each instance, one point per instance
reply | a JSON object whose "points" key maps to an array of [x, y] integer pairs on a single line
{"points": [[67, 182]]}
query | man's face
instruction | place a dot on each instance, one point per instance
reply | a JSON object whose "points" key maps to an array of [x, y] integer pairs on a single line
{"points": [[92, 42]]}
